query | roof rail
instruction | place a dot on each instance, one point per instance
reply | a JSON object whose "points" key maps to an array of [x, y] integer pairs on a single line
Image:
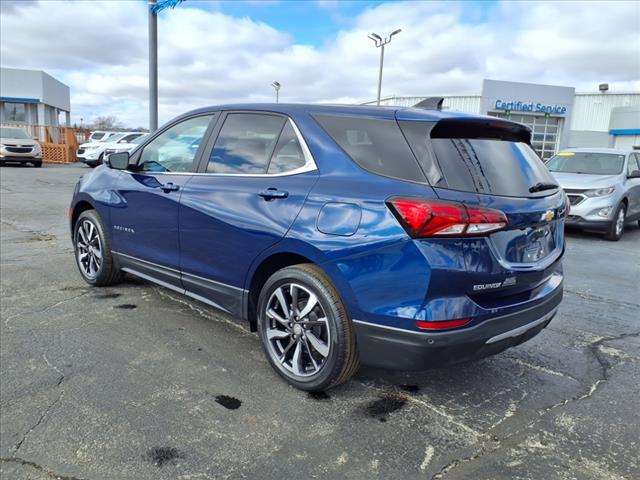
{"points": [[431, 103]]}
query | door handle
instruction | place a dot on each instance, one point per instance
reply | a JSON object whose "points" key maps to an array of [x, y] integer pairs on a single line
{"points": [[273, 193], [170, 187]]}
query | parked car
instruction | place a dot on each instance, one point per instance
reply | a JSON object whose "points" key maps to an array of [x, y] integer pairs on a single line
{"points": [[398, 238], [603, 186], [99, 135], [121, 146], [17, 146], [92, 153]]}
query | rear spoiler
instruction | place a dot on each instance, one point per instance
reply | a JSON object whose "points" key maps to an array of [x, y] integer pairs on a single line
{"points": [[431, 103], [459, 127]]}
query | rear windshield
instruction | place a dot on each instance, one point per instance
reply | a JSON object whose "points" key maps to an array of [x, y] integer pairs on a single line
{"points": [[587, 162], [481, 165], [375, 144]]}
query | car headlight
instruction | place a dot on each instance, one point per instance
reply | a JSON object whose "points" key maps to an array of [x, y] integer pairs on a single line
{"points": [[600, 192]]}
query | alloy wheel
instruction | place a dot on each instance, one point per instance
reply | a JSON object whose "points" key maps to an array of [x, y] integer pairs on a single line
{"points": [[297, 330], [89, 249]]}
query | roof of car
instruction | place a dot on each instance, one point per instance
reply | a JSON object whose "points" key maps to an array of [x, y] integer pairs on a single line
{"points": [[365, 110], [618, 151]]}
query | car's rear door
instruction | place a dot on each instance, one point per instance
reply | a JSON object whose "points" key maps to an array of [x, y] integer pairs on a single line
{"points": [[632, 184], [253, 180], [146, 216]]}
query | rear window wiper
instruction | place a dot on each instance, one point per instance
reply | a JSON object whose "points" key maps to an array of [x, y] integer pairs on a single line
{"points": [[540, 186]]}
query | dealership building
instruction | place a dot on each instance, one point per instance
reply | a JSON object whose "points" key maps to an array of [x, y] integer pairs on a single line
{"points": [[558, 116], [33, 97]]}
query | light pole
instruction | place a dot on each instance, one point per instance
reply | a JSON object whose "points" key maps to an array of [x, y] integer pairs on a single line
{"points": [[276, 86], [153, 66], [377, 39]]}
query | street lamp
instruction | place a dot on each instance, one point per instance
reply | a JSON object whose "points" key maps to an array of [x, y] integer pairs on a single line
{"points": [[276, 86], [377, 39]]}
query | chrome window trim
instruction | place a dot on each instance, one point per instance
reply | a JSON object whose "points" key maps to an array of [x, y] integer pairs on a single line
{"points": [[309, 164]]}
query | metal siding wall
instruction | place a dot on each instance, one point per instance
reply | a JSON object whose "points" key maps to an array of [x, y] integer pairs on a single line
{"points": [[592, 111]]}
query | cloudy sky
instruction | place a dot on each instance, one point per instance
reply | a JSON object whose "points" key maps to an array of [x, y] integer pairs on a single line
{"points": [[214, 52]]}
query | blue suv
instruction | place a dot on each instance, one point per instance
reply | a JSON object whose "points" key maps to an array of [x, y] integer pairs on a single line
{"points": [[396, 238]]}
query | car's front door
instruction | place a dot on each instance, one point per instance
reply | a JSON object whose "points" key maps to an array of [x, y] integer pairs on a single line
{"points": [[253, 181], [145, 218]]}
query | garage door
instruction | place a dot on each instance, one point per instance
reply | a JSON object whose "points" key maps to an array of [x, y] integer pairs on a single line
{"points": [[545, 131]]}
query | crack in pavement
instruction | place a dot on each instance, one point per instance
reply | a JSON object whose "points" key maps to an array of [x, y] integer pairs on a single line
{"points": [[605, 366], [48, 409], [598, 299], [42, 310], [38, 467]]}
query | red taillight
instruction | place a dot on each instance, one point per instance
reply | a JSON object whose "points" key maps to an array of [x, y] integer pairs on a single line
{"points": [[70, 213], [442, 324], [429, 218]]}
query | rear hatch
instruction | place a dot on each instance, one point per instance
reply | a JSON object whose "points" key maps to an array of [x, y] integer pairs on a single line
{"points": [[489, 163]]}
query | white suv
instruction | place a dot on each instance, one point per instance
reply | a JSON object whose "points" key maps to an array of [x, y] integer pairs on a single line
{"points": [[92, 153]]}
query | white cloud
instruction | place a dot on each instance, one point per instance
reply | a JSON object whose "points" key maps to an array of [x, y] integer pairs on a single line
{"points": [[206, 57]]}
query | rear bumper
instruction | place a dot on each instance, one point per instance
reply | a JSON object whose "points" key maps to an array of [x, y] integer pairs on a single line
{"points": [[398, 349]]}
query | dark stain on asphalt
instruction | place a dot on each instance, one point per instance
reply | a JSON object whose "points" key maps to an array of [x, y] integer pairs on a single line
{"points": [[384, 406], [319, 395], [160, 456], [103, 296], [410, 388], [126, 306], [230, 403]]}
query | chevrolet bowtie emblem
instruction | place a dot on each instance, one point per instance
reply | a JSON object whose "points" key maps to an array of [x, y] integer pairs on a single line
{"points": [[548, 215]]}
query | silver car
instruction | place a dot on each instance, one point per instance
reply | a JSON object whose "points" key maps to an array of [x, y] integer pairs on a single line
{"points": [[603, 186]]}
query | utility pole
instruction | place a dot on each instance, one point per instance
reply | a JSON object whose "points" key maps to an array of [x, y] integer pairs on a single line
{"points": [[153, 67], [380, 43]]}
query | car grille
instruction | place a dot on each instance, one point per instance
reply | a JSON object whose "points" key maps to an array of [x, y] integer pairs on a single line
{"points": [[575, 199], [80, 151], [18, 149]]}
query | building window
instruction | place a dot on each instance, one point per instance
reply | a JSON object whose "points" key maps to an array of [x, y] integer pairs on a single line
{"points": [[545, 131], [15, 112]]}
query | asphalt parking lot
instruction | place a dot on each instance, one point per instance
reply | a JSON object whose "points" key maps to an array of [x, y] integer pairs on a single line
{"points": [[136, 382]]}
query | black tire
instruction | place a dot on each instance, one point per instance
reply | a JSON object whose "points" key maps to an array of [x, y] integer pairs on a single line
{"points": [[342, 360], [37, 164], [614, 233], [107, 272]]}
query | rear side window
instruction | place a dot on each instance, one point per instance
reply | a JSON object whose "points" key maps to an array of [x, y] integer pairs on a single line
{"points": [[490, 166], [376, 145], [245, 143], [288, 154]]}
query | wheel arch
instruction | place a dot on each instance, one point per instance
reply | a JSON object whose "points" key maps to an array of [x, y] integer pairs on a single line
{"points": [[285, 256], [80, 206]]}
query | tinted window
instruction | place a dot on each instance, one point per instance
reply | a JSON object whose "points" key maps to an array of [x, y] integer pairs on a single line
{"points": [[489, 166], [174, 149], [97, 136], [374, 144], [633, 164], [417, 134], [129, 138], [288, 154], [587, 162], [245, 143]]}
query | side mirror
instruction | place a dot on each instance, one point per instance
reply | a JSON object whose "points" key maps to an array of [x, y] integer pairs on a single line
{"points": [[118, 161], [634, 174]]}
